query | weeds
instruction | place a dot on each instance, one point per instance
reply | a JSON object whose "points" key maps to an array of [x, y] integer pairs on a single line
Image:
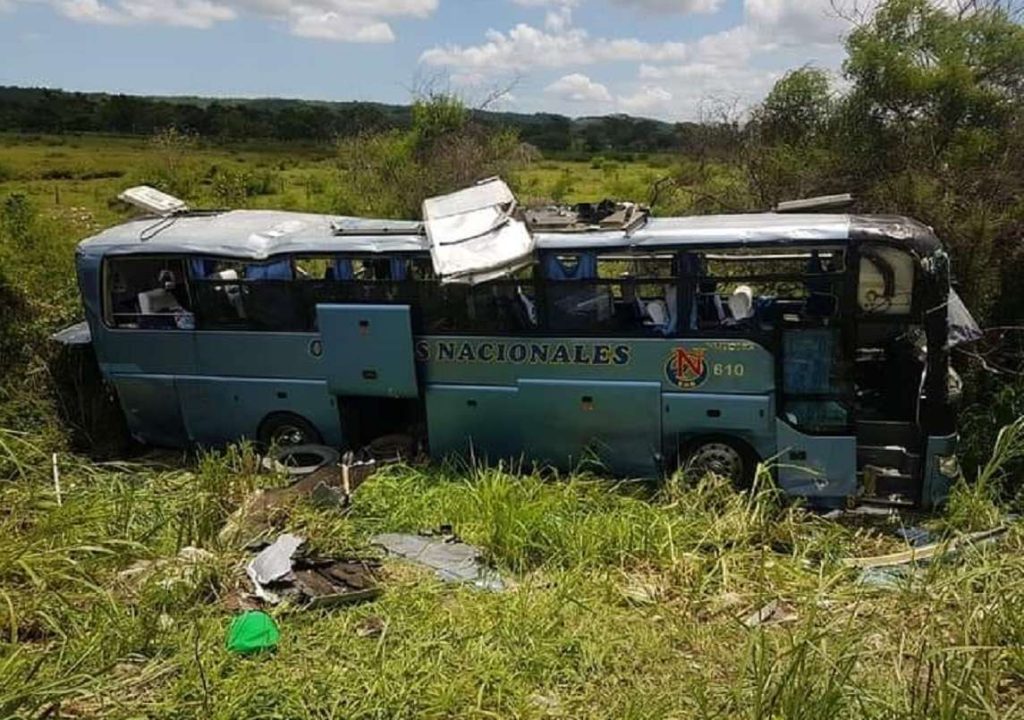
{"points": [[627, 603]]}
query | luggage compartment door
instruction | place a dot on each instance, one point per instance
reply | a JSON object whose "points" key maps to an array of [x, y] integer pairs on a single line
{"points": [[368, 350], [617, 424]]}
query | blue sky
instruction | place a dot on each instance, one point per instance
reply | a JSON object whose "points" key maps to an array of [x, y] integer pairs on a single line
{"points": [[672, 59]]}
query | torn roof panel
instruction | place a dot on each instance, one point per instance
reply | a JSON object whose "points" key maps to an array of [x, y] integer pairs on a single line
{"points": [[472, 234]]}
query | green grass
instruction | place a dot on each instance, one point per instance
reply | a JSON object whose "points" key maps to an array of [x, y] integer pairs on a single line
{"points": [[627, 599], [625, 604]]}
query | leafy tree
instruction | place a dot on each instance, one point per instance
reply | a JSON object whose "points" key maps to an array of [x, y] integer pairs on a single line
{"points": [[797, 109]]}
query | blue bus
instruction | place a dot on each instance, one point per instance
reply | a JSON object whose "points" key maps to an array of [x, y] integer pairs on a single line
{"points": [[818, 342]]}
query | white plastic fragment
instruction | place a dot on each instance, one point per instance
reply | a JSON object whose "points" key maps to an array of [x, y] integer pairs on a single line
{"points": [[273, 563]]}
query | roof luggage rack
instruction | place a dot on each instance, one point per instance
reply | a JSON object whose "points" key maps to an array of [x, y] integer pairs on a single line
{"points": [[372, 226], [583, 217], [816, 204]]}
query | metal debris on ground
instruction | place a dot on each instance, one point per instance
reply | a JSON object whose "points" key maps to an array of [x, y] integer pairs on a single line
{"points": [[327, 486], [280, 572], [450, 558], [925, 552], [773, 613], [273, 562]]}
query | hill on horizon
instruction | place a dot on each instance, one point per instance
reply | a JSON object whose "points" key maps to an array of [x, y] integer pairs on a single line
{"points": [[45, 110]]}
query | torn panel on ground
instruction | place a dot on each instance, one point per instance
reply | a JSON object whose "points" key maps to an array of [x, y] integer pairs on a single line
{"points": [[451, 559]]}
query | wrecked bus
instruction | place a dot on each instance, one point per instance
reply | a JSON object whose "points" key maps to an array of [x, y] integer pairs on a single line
{"points": [[816, 342]]}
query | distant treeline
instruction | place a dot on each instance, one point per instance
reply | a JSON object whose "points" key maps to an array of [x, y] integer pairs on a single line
{"points": [[37, 110]]}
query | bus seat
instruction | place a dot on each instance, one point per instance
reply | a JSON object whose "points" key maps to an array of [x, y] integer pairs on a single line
{"points": [[399, 269], [710, 310], [672, 305], [340, 270], [741, 303], [820, 300], [232, 293], [156, 301], [657, 311], [584, 268], [528, 305], [201, 268], [280, 270]]}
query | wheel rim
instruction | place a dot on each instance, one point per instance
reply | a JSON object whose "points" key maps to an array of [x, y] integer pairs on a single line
{"points": [[718, 458], [287, 435]]}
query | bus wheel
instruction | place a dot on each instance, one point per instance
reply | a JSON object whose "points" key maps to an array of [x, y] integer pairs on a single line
{"points": [[719, 455], [283, 429]]}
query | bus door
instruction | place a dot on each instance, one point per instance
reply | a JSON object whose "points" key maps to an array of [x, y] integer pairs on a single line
{"points": [[368, 350], [817, 447], [571, 423]]}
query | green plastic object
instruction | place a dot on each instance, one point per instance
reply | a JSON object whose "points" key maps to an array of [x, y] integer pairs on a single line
{"points": [[252, 632]]}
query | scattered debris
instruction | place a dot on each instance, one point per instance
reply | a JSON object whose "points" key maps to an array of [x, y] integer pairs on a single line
{"points": [[300, 460], [185, 567], [641, 591], [773, 613], [451, 559], [915, 535], [252, 632], [925, 552], [273, 563], [56, 480], [314, 581], [327, 486], [371, 626]]}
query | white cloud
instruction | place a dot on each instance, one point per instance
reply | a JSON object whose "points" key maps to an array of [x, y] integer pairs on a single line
{"points": [[794, 22], [672, 6], [650, 99], [331, 25], [740, 65], [559, 19], [578, 88], [546, 3], [524, 47], [181, 13], [339, 20]]}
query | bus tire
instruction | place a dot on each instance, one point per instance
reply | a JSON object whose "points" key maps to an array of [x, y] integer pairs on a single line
{"points": [[284, 428], [723, 455], [300, 459]]}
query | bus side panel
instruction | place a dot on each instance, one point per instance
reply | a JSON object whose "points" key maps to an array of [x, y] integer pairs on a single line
{"points": [[748, 417], [816, 466], [616, 423], [259, 354], [151, 409], [154, 352], [218, 410], [473, 421]]}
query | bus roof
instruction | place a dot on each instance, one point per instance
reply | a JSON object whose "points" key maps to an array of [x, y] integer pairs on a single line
{"points": [[259, 234]]}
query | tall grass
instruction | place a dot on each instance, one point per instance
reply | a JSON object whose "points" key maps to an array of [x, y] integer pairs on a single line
{"points": [[627, 602]]}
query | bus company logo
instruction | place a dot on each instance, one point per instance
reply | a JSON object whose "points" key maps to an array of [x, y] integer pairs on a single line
{"points": [[686, 369]]}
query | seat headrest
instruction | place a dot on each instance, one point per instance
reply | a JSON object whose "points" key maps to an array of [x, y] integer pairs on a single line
{"points": [[741, 302]]}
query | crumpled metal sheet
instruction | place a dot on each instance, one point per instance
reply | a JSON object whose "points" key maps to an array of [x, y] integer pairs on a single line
{"points": [[452, 560], [273, 563]]}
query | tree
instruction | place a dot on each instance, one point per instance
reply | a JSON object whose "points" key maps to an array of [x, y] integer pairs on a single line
{"points": [[389, 174], [797, 109]]}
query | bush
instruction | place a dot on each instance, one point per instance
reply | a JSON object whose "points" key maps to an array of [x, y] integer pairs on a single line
{"points": [[390, 174]]}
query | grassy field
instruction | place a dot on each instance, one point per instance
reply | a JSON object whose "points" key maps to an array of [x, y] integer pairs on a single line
{"points": [[627, 600]]}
